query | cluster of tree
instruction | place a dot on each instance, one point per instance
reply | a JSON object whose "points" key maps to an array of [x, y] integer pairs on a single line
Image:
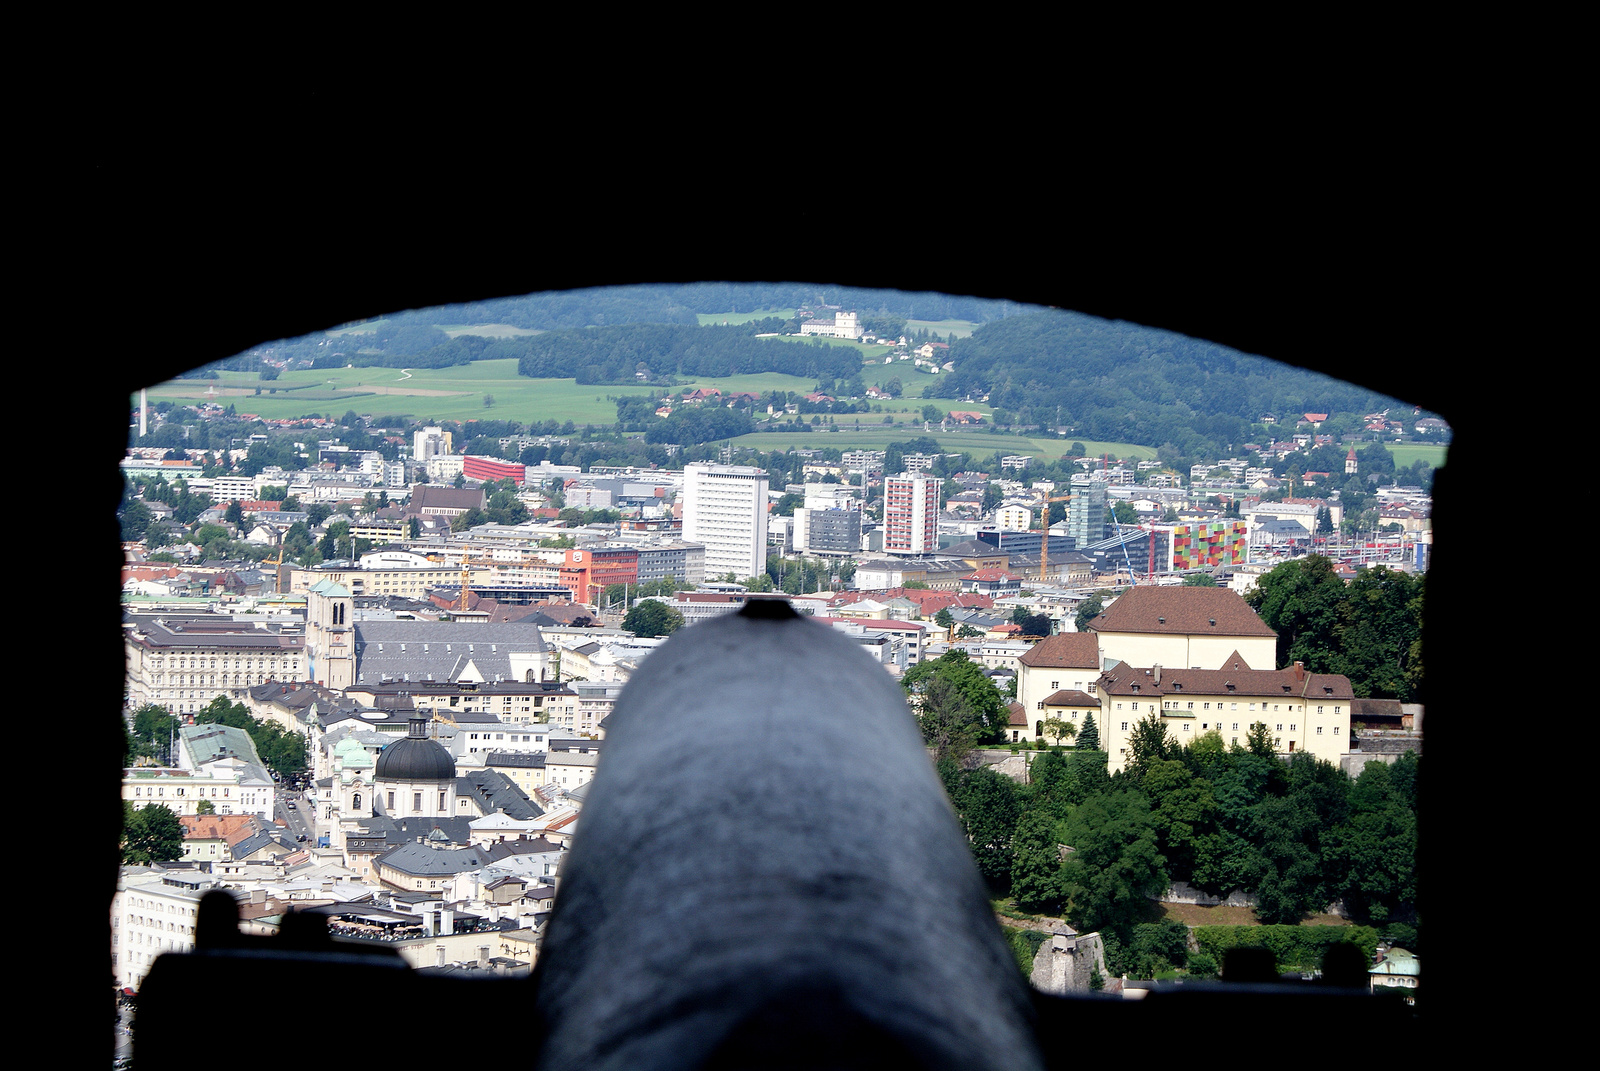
{"points": [[1031, 624], [283, 751], [396, 349], [797, 576], [1123, 382], [1297, 834], [186, 505], [565, 309], [958, 706], [652, 618], [150, 834], [1295, 947], [1089, 609], [692, 425], [217, 543], [882, 312], [614, 595], [613, 354], [150, 736], [278, 451], [501, 506], [1369, 630]]}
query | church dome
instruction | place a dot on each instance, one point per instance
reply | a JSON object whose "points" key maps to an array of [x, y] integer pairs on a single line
{"points": [[415, 758]]}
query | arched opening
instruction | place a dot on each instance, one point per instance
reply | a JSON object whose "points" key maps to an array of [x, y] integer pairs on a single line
{"points": [[420, 303]]}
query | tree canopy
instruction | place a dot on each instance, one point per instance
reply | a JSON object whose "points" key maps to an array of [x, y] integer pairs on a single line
{"points": [[150, 834], [1369, 630], [652, 618], [959, 703]]}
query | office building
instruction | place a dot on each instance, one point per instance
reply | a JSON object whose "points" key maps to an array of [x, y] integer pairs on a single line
{"points": [[725, 508], [910, 514], [827, 531], [1086, 513]]}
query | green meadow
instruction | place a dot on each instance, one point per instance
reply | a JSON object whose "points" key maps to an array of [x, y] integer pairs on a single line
{"points": [[742, 317], [486, 330], [1406, 454], [942, 328], [977, 443], [455, 393]]}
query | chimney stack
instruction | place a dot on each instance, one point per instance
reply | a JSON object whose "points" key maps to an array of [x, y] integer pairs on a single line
{"points": [[1299, 671]]}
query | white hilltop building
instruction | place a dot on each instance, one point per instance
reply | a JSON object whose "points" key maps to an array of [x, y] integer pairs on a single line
{"points": [[843, 325]]}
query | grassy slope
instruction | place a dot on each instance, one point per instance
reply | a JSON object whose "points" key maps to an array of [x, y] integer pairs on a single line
{"points": [[942, 328], [457, 394], [1405, 454], [742, 317]]}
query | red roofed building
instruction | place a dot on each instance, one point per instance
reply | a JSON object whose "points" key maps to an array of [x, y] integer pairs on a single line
{"points": [[995, 583], [1302, 711], [1182, 627], [1068, 660]]}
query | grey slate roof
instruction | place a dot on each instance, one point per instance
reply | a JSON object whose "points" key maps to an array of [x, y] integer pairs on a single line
{"points": [[420, 860], [493, 791], [439, 650], [399, 830], [250, 845], [532, 760]]}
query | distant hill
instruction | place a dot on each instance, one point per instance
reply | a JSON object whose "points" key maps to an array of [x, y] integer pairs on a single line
{"points": [[1118, 381]]}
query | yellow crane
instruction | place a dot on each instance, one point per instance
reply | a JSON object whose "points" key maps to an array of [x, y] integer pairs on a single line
{"points": [[1044, 534]]}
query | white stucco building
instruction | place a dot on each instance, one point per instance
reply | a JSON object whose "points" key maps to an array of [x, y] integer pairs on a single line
{"points": [[725, 508], [843, 325]]}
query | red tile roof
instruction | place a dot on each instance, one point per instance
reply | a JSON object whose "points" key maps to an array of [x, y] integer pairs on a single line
{"points": [[1181, 611], [1234, 679], [1068, 650]]}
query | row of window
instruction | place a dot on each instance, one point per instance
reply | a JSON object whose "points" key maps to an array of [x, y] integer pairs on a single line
{"points": [[160, 790], [1189, 725]]}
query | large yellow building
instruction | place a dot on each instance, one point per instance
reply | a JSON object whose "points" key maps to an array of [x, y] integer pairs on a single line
{"points": [[1302, 711], [1187, 654]]}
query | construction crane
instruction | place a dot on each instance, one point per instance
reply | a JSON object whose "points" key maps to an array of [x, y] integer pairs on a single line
{"points": [[1044, 534]]}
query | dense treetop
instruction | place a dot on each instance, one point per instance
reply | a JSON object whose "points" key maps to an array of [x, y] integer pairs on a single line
{"points": [[1127, 383]]}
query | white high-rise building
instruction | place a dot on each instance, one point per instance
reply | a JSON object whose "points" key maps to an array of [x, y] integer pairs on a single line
{"points": [[910, 514], [725, 508]]}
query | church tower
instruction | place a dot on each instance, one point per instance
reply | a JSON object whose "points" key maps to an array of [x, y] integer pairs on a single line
{"points": [[330, 635]]}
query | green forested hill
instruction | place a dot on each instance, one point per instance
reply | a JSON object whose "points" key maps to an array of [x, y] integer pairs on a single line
{"points": [[1113, 380], [614, 354]]}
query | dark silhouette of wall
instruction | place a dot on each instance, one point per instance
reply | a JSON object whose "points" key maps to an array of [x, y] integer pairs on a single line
{"points": [[237, 252]]}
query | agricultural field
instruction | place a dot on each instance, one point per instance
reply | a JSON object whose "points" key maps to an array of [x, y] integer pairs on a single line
{"points": [[742, 317], [457, 393], [453, 330], [486, 330], [978, 443], [873, 352], [913, 379], [1406, 454], [943, 328]]}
